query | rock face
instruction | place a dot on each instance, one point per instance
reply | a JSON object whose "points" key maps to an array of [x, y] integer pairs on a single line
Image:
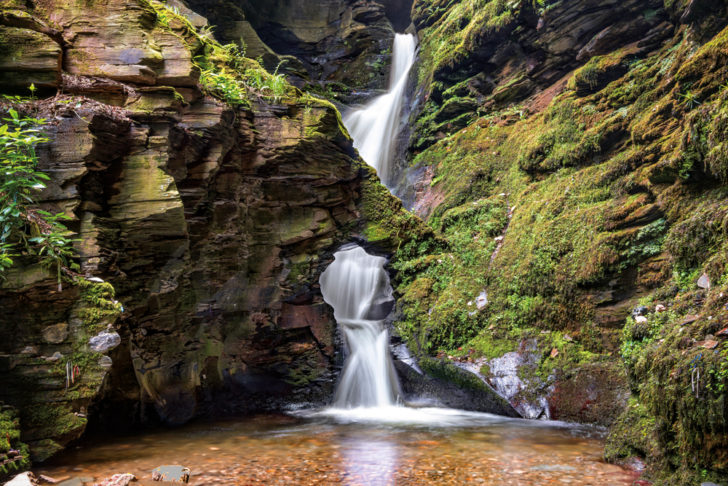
{"points": [[213, 224], [346, 42], [589, 137]]}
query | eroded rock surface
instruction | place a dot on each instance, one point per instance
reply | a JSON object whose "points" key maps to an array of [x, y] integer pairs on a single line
{"points": [[212, 223]]}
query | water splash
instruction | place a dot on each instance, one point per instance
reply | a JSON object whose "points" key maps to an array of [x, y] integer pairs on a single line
{"points": [[358, 289], [374, 127]]}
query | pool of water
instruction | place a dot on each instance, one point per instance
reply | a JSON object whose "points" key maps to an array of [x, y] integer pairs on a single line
{"points": [[395, 445]]}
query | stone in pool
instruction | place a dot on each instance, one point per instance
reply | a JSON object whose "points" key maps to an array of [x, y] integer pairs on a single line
{"points": [[178, 474]]}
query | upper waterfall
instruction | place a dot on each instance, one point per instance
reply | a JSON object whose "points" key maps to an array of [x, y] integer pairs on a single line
{"points": [[374, 126]]}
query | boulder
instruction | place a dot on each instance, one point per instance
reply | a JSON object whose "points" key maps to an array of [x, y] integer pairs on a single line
{"points": [[104, 341], [23, 479], [56, 333]]}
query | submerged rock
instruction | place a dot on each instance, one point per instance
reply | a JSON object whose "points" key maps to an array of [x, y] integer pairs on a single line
{"points": [[173, 473], [118, 480]]}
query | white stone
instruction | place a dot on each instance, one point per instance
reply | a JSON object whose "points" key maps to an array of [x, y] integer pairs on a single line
{"points": [[482, 300], [24, 479], [640, 319], [704, 281], [104, 341]]}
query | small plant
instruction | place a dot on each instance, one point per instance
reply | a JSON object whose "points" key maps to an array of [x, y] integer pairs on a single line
{"points": [[271, 86], [689, 99], [25, 230]]}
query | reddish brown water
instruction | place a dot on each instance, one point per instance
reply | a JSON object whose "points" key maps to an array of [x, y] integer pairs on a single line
{"points": [[284, 450]]}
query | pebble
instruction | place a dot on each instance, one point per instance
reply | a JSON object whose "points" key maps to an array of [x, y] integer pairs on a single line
{"points": [[640, 319]]}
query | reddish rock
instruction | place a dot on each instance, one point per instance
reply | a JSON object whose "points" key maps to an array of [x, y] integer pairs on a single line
{"points": [[118, 480]]}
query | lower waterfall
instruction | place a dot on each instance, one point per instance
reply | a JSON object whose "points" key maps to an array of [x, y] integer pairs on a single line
{"points": [[358, 289]]}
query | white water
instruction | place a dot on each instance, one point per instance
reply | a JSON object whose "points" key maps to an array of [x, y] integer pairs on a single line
{"points": [[358, 289], [374, 127], [355, 284]]}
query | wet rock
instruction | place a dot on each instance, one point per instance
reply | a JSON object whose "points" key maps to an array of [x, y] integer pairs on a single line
{"points": [[104, 341], [595, 393], [50, 480], [23, 479], [78, 481], [446, 384], [506, 375], [171, 474], [117, 480]]}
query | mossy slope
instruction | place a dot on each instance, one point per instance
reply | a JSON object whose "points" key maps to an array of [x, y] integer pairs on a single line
{"points": [[568, 208]]}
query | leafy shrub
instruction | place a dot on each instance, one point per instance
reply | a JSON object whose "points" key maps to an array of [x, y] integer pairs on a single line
{"points": [[24, 229]]}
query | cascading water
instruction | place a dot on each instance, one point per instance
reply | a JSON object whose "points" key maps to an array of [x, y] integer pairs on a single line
{"points": [[374, 127], [355, 284], [358, 289]]}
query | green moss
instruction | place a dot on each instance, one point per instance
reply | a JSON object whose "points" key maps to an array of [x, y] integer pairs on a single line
{"points": [[10, 439], [449, 372], [386, 223], [98, 301], [599, 71]]}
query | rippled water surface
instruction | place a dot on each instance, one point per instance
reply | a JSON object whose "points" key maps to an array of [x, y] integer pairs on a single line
{"points": [[391, 446]]}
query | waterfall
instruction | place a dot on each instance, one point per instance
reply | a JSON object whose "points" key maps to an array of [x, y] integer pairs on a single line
{"points": [[355, 284], [374, 127], [358, 289]]}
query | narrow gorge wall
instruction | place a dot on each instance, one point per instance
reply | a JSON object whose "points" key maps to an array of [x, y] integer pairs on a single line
{"points": [[569, 157], [211, 221]]}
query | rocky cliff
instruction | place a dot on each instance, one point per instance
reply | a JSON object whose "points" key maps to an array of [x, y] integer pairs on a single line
{"points": [[568, 158], [571, 156], [208, 192], [334, 47]]}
